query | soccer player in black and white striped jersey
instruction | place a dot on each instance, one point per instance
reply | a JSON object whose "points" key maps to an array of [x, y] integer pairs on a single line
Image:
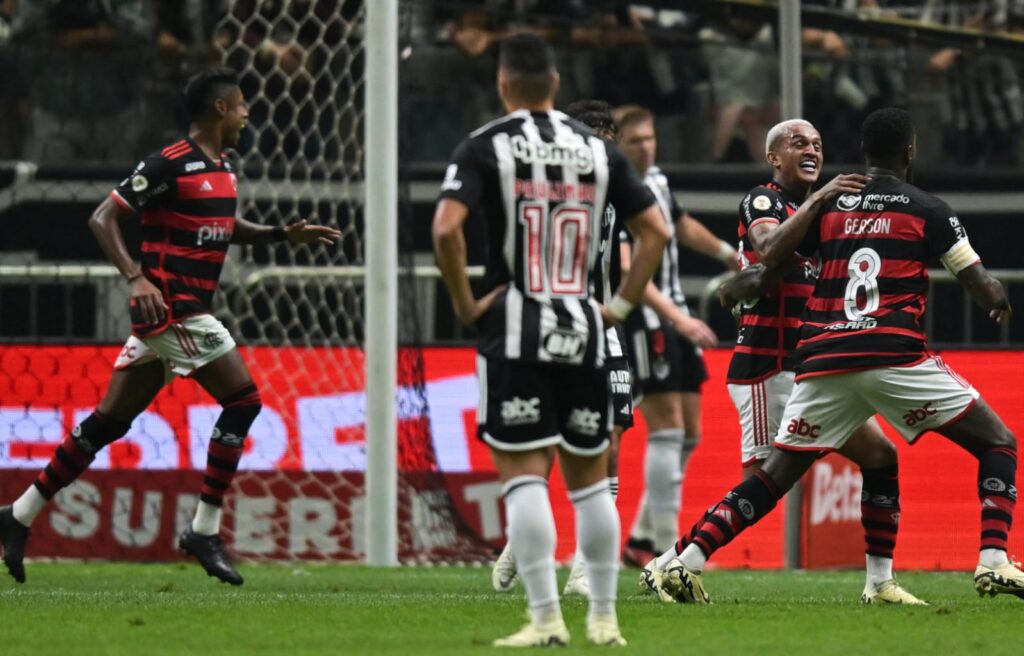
{"points": [[541, 181], [597, 115], [665, 343]]}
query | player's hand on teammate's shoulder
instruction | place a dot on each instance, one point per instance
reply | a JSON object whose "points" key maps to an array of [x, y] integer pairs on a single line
{"points": [[303, 232], [147, 300], [695, 330], [469, 315], [846, 183]]}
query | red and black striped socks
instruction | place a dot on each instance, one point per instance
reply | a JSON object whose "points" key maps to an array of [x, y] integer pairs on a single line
{"points": [[997, 490], [223, 453], [72, 457]]}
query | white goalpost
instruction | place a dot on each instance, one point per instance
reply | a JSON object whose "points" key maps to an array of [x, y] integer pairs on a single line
{"points": [[381, 291]]}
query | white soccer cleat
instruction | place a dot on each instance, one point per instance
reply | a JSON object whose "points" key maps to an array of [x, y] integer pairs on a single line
{"points": [[603, 630], [551, 634], [683, 585], [651, 579], [1005, 579], [577, 583], [503, 574], [889, 592]]}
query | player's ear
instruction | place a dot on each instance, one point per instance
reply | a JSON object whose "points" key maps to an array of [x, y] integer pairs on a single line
{"points": [[503, 85], [221, 105], [772, 157], [910, 150], [556, 83]]}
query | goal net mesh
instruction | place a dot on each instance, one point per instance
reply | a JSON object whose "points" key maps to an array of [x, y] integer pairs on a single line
{"points": [[297, 313]]}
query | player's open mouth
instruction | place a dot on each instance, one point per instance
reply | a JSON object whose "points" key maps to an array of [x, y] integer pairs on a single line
{"points": [[809, 165]]}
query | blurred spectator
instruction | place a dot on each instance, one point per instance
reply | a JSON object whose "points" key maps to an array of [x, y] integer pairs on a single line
{"points": [[984, 111], [187, 39], [744, 69], [83, 62], [304, 68], [13, 108], [848, 77]]}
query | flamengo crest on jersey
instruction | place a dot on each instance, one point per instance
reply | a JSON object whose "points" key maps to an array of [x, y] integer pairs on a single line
{"points": [[769, 326], [188, 206], [866, 308], [541, 182]]}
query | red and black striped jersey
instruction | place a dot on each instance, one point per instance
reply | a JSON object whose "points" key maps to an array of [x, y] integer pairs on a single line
{"points": [[769, 326], [866, 309], [188, 204]]}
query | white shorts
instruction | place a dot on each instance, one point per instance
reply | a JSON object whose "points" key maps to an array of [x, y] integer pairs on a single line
{"points": [[185, 346], [760, 406], [824, 411]]}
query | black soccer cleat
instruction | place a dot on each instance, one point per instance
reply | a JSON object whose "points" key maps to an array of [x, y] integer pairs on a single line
{"points": [[13, 535], [209, 551]]}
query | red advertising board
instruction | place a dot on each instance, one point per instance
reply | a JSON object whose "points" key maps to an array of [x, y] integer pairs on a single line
{"points": [[310, 437]]}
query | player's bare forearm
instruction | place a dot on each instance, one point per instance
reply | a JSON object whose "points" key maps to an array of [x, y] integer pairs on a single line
{"points": [[695, 235], [247, 232], [105, 224], [650, 236], [781, 243], [450, 251], [748, 284], [986, 291]]}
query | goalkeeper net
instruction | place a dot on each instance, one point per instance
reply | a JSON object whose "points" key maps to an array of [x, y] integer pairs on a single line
{"points": [[297, 313]]}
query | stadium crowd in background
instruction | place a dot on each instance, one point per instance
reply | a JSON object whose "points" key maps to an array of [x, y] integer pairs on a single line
{"points": [[694, 68]]}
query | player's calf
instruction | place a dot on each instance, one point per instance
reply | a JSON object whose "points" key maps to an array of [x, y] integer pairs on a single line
{"points": [[72, 457], [202, 539]]}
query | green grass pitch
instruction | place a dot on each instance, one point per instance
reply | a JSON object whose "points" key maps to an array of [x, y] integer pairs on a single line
{"points": [[149, 610]]}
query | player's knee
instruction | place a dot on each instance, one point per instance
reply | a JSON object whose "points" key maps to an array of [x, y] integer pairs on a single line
{"points": [[240, 410], [883, 454]]}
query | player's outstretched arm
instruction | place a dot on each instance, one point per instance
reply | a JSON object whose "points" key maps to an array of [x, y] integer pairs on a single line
{"points": [[300, 232], [450, 250], [693, 329], [695, 235], [105, 224], [986, 292], [781, 243]]}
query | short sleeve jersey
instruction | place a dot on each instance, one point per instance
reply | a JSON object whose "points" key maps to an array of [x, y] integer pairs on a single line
{"points": [[187, 204], [867, 305], [769, 327], [541, 181]]}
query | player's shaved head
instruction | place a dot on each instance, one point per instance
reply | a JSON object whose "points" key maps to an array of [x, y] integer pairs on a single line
{"points": [[784, 130], [887, 134], [527, 65], [596, 115], [205, 87]]}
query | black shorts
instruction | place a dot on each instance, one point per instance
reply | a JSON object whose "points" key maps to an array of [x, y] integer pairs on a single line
{"points": [[620, 391], [663, 360], [525, 405]]}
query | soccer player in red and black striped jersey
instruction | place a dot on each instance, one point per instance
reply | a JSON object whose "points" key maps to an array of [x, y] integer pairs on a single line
{"points": [[186, 197], [863, 351], [761, 372]]}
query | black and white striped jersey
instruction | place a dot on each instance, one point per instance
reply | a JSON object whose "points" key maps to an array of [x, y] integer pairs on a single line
{"points": [[541, 182], [666, 278], [607, 276]]}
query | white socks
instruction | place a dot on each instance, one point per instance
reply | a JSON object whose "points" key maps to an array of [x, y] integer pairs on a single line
{"points": [[597, 534], [531, 532], [693, 558], [207, 519], [29, 505], [663, 477], [879, 570], [664, 559], [991, 558]]}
